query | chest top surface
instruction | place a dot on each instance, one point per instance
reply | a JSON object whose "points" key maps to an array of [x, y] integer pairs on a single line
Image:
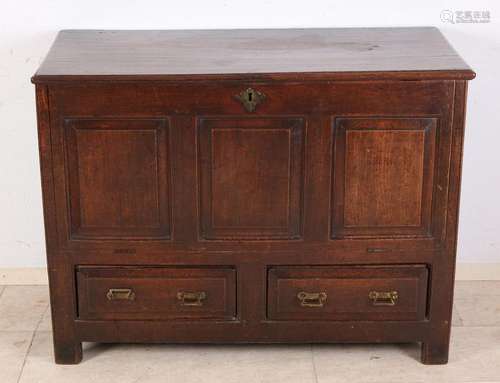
{"points": [[282, 54]]}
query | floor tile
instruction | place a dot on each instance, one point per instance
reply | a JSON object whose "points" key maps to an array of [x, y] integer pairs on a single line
{"points": [[467, 288], [474, 357], [22, 307], [456, 319], [46, 322], [478, 302], [13, 348], [171, 363]]}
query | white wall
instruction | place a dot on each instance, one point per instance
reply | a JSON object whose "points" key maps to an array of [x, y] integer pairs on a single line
{"points": [[27, 28]]}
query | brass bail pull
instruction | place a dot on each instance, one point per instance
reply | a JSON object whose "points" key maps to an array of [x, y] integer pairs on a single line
{"points": [[120, 295], [383, 298], [191, 298], [312, 299]]}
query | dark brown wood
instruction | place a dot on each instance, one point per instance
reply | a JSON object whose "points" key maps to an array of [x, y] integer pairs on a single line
{"points": [[154, 293], [283, 54], [347, 293], [67, 346], [384, 177], [251, 159], [107, 202], [157, 180], [435, 350]]}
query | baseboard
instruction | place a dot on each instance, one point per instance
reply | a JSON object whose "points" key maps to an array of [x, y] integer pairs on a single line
{"points": [[38, 275], [478, 272], [23, 276]]}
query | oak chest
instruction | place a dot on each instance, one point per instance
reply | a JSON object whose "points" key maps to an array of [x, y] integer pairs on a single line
{"points": [[251, 186]]}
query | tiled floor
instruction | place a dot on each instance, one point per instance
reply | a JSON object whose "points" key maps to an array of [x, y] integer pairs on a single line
{"points": [[26, 352]]}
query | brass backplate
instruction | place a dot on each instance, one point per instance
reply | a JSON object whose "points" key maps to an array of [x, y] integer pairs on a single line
{"points": [[250, 98]]}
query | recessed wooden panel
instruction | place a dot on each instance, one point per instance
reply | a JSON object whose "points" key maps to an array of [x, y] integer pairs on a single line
{"points": [[251, 178], [383, 176], [118, 178]]}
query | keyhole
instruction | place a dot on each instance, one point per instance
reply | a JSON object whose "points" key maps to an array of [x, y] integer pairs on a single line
{"points": [[250, 98]]}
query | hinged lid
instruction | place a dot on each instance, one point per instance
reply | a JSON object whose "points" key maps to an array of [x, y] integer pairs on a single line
{"points": [[271, 54]]}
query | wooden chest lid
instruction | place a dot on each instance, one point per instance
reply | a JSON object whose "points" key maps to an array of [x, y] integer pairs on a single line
{"points": [[270, 54]]}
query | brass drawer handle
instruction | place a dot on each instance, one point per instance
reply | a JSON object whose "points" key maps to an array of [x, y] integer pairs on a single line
{"points": [[250, 98], [120, 295], [383, 298], [377, 250], [312, 299], [191, 298]]}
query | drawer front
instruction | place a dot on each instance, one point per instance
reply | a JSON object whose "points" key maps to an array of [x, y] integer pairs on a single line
{"points": [[347, 293], [156, 293]]}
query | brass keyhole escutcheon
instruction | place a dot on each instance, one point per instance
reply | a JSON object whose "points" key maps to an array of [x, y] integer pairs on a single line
{"points": [[250, 98]]}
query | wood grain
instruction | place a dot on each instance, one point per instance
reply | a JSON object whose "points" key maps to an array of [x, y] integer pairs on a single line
{"points": [[155, 292], [284, 54], [345, 178], [119, 178], [347, 292], [251, 162], [384, 176]]}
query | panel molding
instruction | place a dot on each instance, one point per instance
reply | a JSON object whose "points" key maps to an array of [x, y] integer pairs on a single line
{"points": [[423, 222], [287, 225], [160, 214]]}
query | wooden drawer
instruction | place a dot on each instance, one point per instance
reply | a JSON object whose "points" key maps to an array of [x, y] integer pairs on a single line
{"points": [[347, 293], [156, 293]]}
